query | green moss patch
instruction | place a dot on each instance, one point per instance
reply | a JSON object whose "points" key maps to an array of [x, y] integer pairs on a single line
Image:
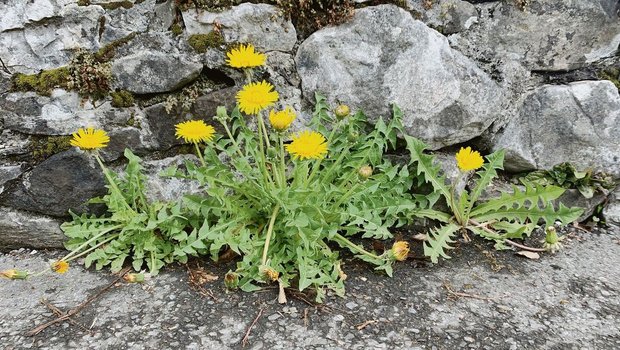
{"points": [[202, 42], [43, 147], [122, 98], [44, 82]]}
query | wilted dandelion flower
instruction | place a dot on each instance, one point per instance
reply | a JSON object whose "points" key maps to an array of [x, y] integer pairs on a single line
{"points": [[256, 96], [270, 273], [90, 139], [281, 120], [194, 131], [60, 266], [400, 250], [308, 145], [244, 56], [467, 159], [14, 274]]}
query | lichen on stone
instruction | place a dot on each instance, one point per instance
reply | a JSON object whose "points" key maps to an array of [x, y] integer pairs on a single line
{"points": [[89, 76]]}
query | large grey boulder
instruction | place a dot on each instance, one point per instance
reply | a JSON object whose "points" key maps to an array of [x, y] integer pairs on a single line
{"points": [[384, 56], [44, 34], [63, 182], [447, 16], [578, 123], [545, 35], [140, 17], [262, 25], [151, 72], [23, 229]]}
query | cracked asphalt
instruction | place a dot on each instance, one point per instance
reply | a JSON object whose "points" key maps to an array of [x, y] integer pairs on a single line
{"points": [[479, 299]]}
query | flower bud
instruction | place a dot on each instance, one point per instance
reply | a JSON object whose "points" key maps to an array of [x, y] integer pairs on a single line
{"points": [[551, 236], [342, 111], [221, 114], [365, 171], [134, 277], [14, 274], [353, 136], [231, 280], [400, 250], [269, 273]]}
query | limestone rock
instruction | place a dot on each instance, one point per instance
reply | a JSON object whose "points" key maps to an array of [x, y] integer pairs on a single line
{"points": [[447, 16], [384, 56], [8, 173], [153, 72], [577, 123], [62, 182], [121, 21], [611, 213], [23, 229], [169, 189], [262, 25], [62, 113], [545, 35], [28, 48]]}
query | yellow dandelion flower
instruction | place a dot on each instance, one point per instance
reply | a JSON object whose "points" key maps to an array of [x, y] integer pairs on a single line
{"points": [[60, 266], [308, 145], [90, 139], [194, 131], [400, 250], [467, 159], [256, 96], [245, 57], [281, 120]]}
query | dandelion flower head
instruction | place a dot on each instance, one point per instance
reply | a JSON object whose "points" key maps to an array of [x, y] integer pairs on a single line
{"points": [[194, 131], [467, 159], [308, 145]]}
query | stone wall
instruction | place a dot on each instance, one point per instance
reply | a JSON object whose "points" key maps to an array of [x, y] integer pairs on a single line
{"points": [[538, 78]]}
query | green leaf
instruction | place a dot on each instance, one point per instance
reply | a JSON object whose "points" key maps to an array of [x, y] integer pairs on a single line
{"points": [[425, 166], [485, 176], [439, 241], [533, 194]]}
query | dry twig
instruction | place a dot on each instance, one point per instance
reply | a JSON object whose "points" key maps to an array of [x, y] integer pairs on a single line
{"points": [[67, 315], [246, 337]]}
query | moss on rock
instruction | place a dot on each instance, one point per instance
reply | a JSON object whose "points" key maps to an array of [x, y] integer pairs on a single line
{"points": [[122, 98], [43, 82], [202, 42], [43, 147]]}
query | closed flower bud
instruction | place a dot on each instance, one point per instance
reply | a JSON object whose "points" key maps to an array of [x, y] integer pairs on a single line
{"points": [[14, 274], [365, 171], [221, 114], [353, 136], [342, 111], [231, 280], [552, 241], [400, 250]]}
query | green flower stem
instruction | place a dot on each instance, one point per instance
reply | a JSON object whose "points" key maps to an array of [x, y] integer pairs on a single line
{"points": [[202, 159], [354, 247], [282, 160], [70, 255], [317, 164], [93, 248], [230, 136], [263, 159], [334, 166], [455, 208], [269, 233], [111, 181]]}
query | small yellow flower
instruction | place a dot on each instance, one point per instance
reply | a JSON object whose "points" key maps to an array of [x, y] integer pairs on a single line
{"points": [[281, 120], [256, 96], [195, 131], [308, 145], [90, 139], [245, 57], [60, 266], [467, 159], [400, 250], [14, 274]]}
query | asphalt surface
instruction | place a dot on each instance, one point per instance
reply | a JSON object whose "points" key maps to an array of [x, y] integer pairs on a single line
{"points": [[480, 299]]}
